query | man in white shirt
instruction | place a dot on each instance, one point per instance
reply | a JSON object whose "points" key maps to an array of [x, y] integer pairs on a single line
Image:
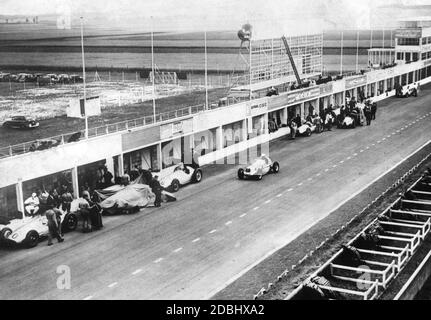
{"points": [[32, 204]]}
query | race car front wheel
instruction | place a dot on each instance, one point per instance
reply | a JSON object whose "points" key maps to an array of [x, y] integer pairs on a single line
{"points": [[275, 167], [32, 239], [5, 234], [197, 176], [308, 132], [175, 185]]}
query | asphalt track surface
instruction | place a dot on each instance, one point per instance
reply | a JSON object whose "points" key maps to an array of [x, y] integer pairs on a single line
{"points": [[222, 227]]}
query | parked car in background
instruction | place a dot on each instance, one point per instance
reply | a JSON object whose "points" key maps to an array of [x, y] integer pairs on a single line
{"points": [[21, 122]]}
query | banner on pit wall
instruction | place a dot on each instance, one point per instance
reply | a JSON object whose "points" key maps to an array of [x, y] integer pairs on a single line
{"points": [[257, 107], [303, 95]]}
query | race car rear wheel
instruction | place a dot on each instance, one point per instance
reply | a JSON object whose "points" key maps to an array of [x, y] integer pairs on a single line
{"points": [[5, 233], [197, 176], [70, 223], [175, 185], [308, 133], [241, 174], [275, 167], [259, 177], [31, 239]]}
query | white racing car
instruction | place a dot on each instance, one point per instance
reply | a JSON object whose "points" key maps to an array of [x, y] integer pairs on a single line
{"points": [[28, 230], [258, 168], [174, 177], [306, 129]]}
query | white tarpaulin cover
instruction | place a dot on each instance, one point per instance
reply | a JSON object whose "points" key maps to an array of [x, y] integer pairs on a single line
{"points": [[131, 196]]}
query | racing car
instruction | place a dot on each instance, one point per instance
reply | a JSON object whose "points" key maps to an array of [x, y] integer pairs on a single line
{"points": [[306, 129], [258, 168], [28, 230], [407, 91], [21, 122], [174, 177]]}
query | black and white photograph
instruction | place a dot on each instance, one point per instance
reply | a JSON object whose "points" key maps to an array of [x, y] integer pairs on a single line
{"points": [[234, 153]]}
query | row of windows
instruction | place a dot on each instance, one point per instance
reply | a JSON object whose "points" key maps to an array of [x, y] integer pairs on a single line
{"points": [[408, 41], [408, 56], [426, 55], [426, 40]]}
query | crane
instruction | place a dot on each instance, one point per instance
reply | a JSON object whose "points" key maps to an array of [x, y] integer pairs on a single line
{"points": [[292, 62]]}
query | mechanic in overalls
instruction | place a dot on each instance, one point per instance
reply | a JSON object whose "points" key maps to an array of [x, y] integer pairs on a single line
{"points": [[54, 225]]}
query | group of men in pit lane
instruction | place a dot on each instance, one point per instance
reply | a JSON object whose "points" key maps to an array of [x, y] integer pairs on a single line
{"points": [[327, 117]]}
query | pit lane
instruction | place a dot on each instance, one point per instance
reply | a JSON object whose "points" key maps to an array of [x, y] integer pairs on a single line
{"points": [[222, 227]]}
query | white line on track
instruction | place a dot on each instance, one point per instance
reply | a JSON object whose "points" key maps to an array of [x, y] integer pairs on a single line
{"points": [[196, 240], [318, 174], [228, 223], [256, 208], [158, 260], [267, 201], [334, 166], [378, 141], [342, 161], [88, 298], [300, 184], [213, 231], [112, 284], [243, 215], [178, 250], [326, 170], [348, 158], [291, 189], [136, 272], [355, 154], [367, 148], [373, 144], [361, 151], [310, 179], [279, 195]]}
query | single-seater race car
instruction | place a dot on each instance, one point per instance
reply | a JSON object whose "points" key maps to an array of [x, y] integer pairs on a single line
{"points": [[258, 168], [352, 119], [28, 230], [306, 129], [174, 177], [120, 199]]}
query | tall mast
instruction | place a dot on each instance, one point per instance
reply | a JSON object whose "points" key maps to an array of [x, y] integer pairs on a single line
{"points": [[83, 77]]}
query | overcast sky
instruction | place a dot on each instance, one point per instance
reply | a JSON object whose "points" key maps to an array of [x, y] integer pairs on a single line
{"points": [[195, 13]]}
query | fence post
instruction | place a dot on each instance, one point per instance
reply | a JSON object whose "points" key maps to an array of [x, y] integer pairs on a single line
{"points": [[10, 151], [106, 129]]}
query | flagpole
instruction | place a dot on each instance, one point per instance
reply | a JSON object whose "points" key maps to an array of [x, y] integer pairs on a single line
{"points": [[84, 78], [357, 51], [152, 67], [341, 59], [206, 73]]}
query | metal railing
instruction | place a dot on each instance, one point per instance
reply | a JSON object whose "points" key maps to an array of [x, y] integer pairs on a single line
{"points": [[50, 142]]}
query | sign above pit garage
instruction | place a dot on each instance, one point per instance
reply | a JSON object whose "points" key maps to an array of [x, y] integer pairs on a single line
{"points": [[176, 128]]}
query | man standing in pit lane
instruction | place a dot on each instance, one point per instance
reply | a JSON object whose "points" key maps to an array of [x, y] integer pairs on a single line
{"points": [[293, 128], [373, 110], [157, 190], [367, 112], [54, 225]]}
